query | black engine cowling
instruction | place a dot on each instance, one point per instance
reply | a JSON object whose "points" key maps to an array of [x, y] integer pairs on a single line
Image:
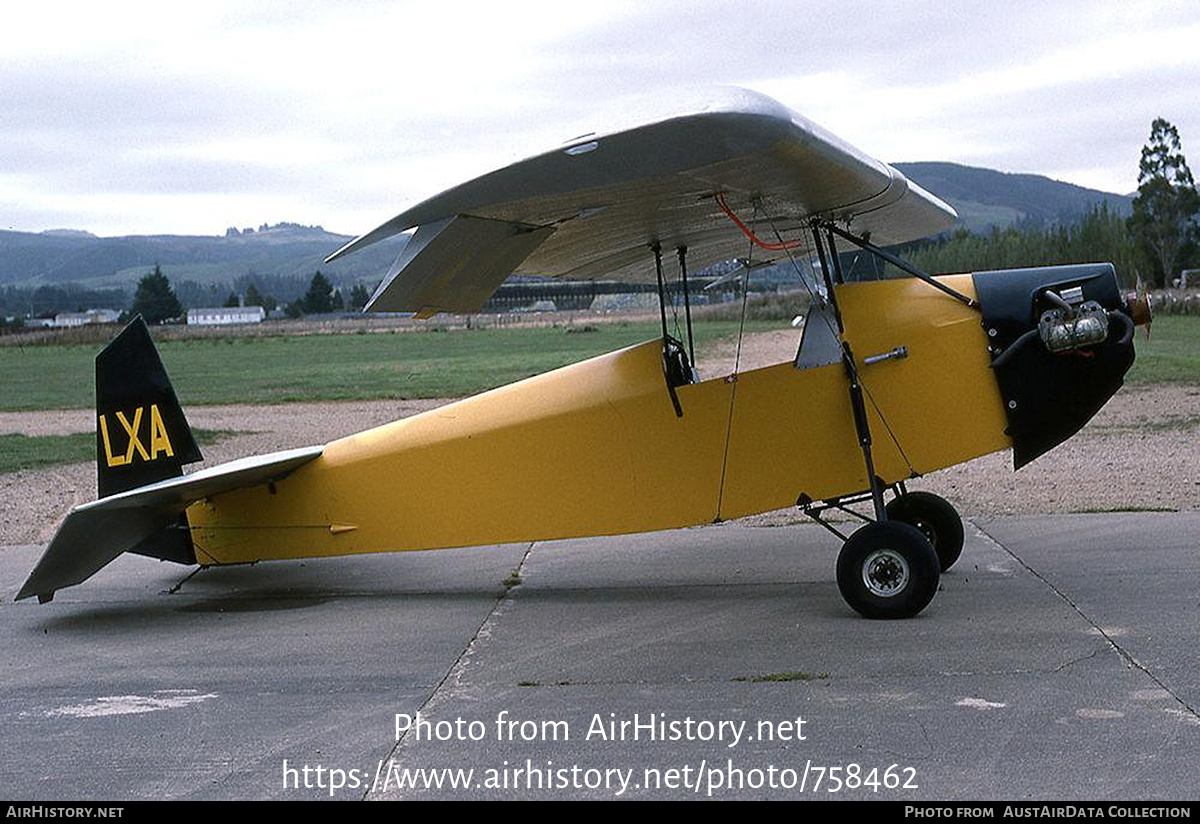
{"points": [[1061, 339]]}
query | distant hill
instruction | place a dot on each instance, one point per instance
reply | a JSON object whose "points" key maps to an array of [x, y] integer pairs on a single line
{"points": [[283, 251], [985, 198], [289, 252]]}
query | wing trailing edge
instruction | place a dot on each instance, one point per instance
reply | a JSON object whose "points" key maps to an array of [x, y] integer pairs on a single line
{"points": [[455, 264]]}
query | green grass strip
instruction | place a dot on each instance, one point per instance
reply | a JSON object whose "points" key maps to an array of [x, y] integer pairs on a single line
{"points": [[19, 452]]}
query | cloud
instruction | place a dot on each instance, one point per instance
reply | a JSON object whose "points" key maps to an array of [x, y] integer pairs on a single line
{"points": [[134, 117]]}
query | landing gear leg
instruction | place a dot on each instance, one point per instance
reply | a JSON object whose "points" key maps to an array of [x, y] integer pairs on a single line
{"points": [[888, 568]]}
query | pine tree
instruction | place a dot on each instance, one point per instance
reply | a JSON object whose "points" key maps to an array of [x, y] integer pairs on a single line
{"points": [[257, 298], [232, 300], [1100, 235], [319, 298], [359, 296], [155, 299]]}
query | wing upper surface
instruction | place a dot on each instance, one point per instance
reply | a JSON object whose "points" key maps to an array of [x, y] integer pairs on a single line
{"points": [[603, 198]]}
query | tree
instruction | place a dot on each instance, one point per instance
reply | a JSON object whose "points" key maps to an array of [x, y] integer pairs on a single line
{"points": [[1166, 206], [318, 299], [359, 296], [155, 299], [1101, 234], [232, 300], [257, 298]]}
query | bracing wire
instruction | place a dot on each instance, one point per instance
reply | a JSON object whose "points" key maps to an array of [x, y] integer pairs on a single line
{"points": [[792, 259], [866, 390], [737, 357], [675, 312]]}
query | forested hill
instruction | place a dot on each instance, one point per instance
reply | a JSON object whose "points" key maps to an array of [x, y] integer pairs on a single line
{"points": [[985, 198], [289, 252], [282, 251]]}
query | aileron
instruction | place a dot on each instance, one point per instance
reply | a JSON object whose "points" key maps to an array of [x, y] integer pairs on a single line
{"points": [[455, 264]]}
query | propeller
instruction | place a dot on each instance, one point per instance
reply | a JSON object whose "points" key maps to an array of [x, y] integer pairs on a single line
{"points": [[1141, 306]]}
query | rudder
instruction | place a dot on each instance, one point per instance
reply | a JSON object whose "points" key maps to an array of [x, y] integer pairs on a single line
{"points": [[142, 435]]}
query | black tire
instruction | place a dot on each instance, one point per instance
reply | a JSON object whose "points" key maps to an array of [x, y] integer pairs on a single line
{"points": [[937, 519], [887, 569]]}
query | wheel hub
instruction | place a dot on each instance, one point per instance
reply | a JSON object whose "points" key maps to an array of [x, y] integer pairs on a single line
{"points": [[926, 530], [885, 572]]}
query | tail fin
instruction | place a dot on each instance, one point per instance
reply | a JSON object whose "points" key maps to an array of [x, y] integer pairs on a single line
{"points": [[142, 443], [142, 435]]}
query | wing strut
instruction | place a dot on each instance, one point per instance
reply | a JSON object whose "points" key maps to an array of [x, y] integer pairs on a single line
{"points": [[687, 303], [899, 262], [831, 271], [676, 367], [862, 425], [662, 297]]}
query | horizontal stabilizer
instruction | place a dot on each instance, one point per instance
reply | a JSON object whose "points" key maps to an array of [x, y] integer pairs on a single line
{"points": [[95, 533], [455, 264]]}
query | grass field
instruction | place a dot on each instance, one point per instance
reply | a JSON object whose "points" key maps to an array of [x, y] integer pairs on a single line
{"points": [[432, 364], [1172, 355], [238, 369], [19, 452]]}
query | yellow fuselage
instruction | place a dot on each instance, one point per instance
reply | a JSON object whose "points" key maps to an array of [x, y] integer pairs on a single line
{"points": [[597, 448]]}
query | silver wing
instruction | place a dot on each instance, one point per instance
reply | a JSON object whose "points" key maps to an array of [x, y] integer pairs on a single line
{"points": [[591, 208]]}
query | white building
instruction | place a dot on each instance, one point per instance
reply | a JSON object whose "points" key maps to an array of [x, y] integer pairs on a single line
{"points": [[86, 318], [225, 315]]}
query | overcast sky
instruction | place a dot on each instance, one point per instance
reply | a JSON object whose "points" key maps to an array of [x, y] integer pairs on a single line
{"points": [[140, 118]]}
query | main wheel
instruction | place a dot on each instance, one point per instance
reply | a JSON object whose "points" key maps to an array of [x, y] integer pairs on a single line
{"points": [[937, 519], [887, 569]]}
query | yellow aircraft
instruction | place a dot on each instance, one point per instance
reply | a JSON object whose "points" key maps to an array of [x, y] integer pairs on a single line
{"points": [[892, 379]]}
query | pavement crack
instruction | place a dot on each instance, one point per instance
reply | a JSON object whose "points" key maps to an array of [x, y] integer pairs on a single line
{"points": [[930, 749], [991, 673], [1068, 664], [651, 682], [1129, 658], [686, 585], [457, 667]]}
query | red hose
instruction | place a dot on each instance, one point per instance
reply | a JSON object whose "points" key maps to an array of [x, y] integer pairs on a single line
{"points": [[719, 197]]}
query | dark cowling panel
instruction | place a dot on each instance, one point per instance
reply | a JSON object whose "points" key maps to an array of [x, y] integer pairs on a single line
{"points": [[1049, 395]]}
